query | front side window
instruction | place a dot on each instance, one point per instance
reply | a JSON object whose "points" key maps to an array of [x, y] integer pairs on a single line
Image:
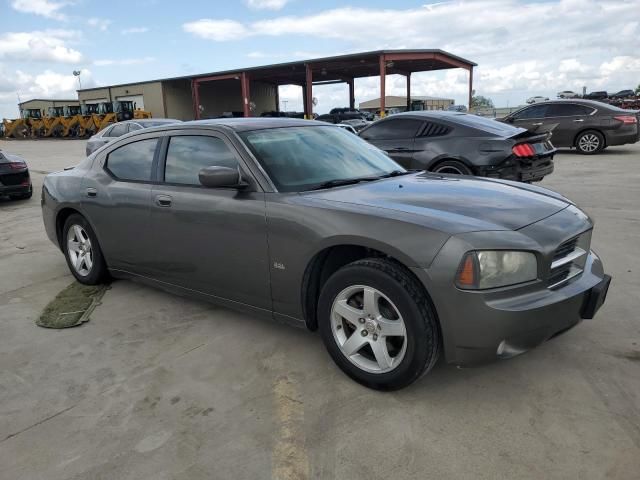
{"points": [[537, 111], [568, 110], [133, 161], [302, 158], [187, 155], [393, 129]]}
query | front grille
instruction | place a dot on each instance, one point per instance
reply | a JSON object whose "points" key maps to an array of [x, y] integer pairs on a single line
{"points": [[12, 179], [569, 260]]}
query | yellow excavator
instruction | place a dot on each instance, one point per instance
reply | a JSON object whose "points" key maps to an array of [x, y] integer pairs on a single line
{"points": [[72, 121], [23, 127], [53, 122]]}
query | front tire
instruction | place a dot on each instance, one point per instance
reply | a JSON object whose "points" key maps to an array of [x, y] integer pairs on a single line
{"points": [[378, 325], [452, 167], [590, 142], [82, 251]]}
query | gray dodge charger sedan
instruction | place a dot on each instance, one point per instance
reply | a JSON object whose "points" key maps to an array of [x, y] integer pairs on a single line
{"points": [[304, 222]]}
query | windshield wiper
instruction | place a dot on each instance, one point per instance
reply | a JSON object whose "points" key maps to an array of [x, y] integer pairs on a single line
{"points": [[395, 173], [338, 182]]}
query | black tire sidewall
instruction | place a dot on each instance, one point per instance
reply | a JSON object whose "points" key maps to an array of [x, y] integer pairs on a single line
{"points": [[98, 270], [590, 132], [418, 351]]}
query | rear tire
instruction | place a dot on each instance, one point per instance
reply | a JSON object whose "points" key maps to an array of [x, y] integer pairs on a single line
{"points": [[82, 251], [452, 167], [590, 142], [378, 325]]}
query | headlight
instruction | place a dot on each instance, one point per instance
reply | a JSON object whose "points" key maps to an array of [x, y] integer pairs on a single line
{"points": [[495, 268]]}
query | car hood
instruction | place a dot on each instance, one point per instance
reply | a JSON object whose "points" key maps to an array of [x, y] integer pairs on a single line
{"points": [[453, 203]]}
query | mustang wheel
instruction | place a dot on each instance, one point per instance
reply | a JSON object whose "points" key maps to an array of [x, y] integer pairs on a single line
{"points": [[590, 142], [452, 167], [82, 251], [377, 324]]}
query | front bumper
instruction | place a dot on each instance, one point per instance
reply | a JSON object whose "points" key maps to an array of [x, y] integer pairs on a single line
{"points": [[484, 325]]}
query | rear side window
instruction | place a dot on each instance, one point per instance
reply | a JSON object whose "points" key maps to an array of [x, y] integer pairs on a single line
{"points": [[134, 126], [432, 129], [567, 110], [187, 155], [133, 161], [393, 129], [118, 130]]}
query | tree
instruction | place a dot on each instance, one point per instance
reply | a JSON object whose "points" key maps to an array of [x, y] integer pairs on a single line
{"points": [[479, 101], [638, 89]]}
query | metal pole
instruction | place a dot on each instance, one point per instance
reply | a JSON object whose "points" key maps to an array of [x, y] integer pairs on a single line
{"points": [[408, 92], [195, 94], [383, 70], [309, 92], [244, 83], [470, 86], [352, 96]]}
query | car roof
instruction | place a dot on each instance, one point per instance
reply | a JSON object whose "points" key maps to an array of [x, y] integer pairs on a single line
{"points": [[242, 124], [580, 101], [144, 121]]}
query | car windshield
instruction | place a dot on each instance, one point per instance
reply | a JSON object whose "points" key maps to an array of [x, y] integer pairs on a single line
{"points": [[305, 158]]}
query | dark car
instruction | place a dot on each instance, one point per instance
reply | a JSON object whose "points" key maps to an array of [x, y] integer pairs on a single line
{"points": [[339, 115], [463, 144], [587, 125], [599, 95], [116, 130], [623, 94], [305, 222], [15, 181]]}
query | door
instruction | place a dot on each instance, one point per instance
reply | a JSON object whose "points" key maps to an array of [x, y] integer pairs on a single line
{"points": [[212, 240], [531, 118], [396, 136], [567, 119], [117, 199]]}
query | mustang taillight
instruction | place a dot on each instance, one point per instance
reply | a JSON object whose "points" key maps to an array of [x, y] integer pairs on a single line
{"points": [[628, 119], [17, 165], [523, 150]]}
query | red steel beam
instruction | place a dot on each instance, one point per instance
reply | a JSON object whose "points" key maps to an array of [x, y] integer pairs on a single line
{"points": [[408, 92], [383, 72], [195, 95], [309, 91], [352, 95], [246, 94], [470, 86]]}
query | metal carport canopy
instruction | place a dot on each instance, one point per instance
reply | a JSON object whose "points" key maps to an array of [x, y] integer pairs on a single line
{"points": [[341, 68]]}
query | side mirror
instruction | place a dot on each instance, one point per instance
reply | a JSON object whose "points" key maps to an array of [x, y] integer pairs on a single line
{"points": [[509, 119], [217, 177]]}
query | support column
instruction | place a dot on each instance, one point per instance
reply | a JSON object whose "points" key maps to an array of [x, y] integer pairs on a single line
{"points": [[352, 95], [408, 92], [246, 94], [195, 95], [470, 86], [309, 92], [383, 73], [304, 100], [277, 87]]}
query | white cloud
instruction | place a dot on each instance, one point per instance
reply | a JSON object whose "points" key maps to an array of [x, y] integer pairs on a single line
{"points": [[123, 61], [46, 46], [218, 30], [266, 4], [45, 8], [134, 30], [523, 48], [101, 24]]}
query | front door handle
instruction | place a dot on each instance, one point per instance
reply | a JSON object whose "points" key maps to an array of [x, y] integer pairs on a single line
{"points": [[163, 200], [536, 124], [92, 192], [579, 120]]}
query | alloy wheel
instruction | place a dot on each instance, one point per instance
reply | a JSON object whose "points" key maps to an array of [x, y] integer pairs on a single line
{"points": [[79, 250], [368, 329], [589, 143]]}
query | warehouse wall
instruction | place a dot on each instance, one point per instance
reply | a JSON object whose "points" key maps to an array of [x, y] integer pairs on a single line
{"points": [[43, 105], [151, 92], [177, 99], [220, 96]]}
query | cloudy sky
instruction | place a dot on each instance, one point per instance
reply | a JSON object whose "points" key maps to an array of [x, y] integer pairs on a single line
{"points": [[523, 47]]}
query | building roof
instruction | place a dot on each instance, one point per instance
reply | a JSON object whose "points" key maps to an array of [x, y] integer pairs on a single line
{"points": [[49, 100], [354, 65]]}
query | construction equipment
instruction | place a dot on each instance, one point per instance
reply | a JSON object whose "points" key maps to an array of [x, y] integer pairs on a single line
{"points": [[53, 124], [72, 121]]}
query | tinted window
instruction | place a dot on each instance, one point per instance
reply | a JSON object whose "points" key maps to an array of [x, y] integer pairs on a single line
{"points": [[393, 129], [133, 161], [432, 129], [187, 155], [133, 127], [484, 124], [537, 111], [567, 110], [117, 130]]}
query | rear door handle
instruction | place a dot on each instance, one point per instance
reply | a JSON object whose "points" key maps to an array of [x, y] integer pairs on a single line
{"points": [[579, 120], [536, 124], [92, 192], [163, 200]]}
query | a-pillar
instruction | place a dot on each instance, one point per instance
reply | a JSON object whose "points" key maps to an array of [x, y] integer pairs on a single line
{"points": [[246, 94], [383, 73]]}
